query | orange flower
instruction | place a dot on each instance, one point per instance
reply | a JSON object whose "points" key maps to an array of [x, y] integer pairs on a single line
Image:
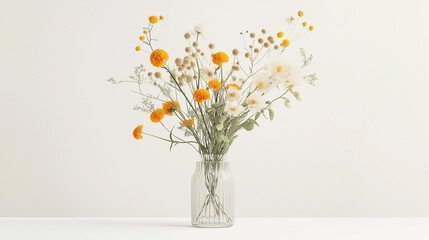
{"points": [[157, 115], [215, 84], [161, 17], [219, 58], [233, 85], [138, 48], [201, 95], [153, 19], [158, 57], [170, 107], [188, 122], [137, 133], [141, 38]]}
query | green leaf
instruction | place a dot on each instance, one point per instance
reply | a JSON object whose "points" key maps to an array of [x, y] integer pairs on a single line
{"points": [[254, 122], [223, 137], [216, 105], [257, 115], [271, 114], [248, 125]]}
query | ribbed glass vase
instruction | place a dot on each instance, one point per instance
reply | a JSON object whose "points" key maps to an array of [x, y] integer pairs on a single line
{"points": [[212, 193]]}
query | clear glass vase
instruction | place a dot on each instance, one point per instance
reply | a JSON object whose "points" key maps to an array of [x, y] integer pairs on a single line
{"points": [[212, 193]]}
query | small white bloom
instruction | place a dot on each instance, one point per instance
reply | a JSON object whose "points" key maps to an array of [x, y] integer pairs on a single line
{"points": [[284, 73], [255, 102], [233, 95], [234, 108], [290, 20], [207, 73], [198, 29], [264, 82]]}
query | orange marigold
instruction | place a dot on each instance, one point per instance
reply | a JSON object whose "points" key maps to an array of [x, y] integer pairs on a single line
{"points": [[157, 115], [233, 85], [137, 133], [219, 58], [158, 57], [170, 107], [215, 84], [188, 122], [201, 95], [153, 19]]}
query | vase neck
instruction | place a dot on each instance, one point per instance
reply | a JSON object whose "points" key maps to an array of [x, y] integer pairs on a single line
{"points": [[213, 157]]}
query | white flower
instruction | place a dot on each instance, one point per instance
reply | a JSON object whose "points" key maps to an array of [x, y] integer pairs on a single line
{"points": [[290, 20], [207, 73], [198, 29], [234, 108], [264, 82], [233, 95], [284, 73], [255, 102]]}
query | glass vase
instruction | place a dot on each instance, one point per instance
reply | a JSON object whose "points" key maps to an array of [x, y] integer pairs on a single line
{"points": [[212, 193]]}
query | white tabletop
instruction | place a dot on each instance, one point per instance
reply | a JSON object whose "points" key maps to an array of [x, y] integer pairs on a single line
{"points": [[244, 228]]}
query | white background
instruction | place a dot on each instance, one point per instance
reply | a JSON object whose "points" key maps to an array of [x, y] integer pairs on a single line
{"points": [[357, 145]]}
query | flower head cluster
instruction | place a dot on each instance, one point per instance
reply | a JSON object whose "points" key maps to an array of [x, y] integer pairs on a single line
{"points": [[158, 57], [137, 133], [201, 95], [219, 58], [170, 107], [215, 84], [157, 115]]}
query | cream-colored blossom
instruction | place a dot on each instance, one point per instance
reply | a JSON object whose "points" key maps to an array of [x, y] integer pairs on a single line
{"points": [[233, 109], [233, 95], [285, 73], [264, 82], [255, 102], [207, 73]]}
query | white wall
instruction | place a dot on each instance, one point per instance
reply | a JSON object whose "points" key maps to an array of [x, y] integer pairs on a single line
{"points": [[357, 145]]}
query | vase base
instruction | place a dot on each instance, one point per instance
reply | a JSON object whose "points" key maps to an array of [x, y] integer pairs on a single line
{"points": [[212, 225]]}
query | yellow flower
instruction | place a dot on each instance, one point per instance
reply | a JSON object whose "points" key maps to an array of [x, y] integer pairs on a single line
{"points": [[219, 58], [304, 24], [137, 133], [188, 123], [145, 31], [158, 57], [141, 38], [311, 28], [161, 17], [233, 85], [138, 48], [215, 84], [286, 43], [157, 115], [170, 107], [300, 13], [201, 95], [280, 34], [153, 19]]}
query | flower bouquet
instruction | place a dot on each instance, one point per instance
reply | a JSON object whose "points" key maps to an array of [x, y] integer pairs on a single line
{"points": [[213, 95]]}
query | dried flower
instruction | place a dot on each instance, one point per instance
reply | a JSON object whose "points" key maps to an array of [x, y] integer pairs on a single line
{"points": [[201, 95], [153, 19], [157, 115], [137, 133], [158, 57], [219, 58], [215, 84]]}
